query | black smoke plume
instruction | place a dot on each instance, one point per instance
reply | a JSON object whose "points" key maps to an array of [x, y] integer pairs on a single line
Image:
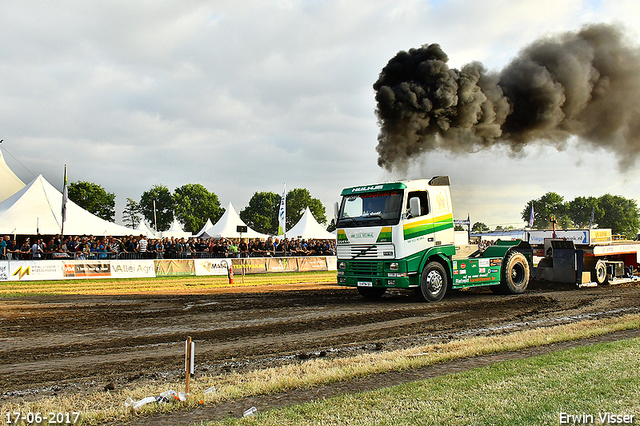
{"points": [[585, 84]]}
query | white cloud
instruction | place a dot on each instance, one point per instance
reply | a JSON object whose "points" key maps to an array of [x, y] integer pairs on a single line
{"points": [[245, 96]]}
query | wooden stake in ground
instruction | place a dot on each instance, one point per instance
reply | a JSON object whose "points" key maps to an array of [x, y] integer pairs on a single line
{"points": [[188, 363]]}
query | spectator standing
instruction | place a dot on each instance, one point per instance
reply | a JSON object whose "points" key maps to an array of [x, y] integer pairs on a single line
{"points": [[141, 248], [13, 251], [36, 250], [25, 249], [3, 247], [243, 248]]}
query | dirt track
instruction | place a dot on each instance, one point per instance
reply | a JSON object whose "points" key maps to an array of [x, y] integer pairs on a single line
{"points": [[67, 344]]}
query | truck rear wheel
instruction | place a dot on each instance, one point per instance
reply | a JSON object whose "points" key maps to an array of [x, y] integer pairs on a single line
{"points": [[372, 293], [515, 274], [599, 273], [433, 283]]}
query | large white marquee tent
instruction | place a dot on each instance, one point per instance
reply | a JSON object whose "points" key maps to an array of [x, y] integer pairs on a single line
{"points": [[37, 209], [176, 231], [10, 183], [227, 227], [308, 228]]}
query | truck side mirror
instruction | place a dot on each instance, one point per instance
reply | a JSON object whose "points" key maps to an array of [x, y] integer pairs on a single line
{"points": [[336, 210], [414, 206]]}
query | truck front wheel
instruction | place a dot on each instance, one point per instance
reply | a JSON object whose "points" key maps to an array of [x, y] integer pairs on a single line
{"points": [[433, 283]]}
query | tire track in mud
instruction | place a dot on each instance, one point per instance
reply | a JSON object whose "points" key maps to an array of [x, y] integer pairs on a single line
{"points": [[78, 339]]}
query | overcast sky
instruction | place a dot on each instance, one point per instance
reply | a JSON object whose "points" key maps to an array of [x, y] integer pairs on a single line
{"points": [[245, 96]]}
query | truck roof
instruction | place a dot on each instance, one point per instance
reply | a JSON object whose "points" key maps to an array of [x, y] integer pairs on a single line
{"points": [[401, 184]]}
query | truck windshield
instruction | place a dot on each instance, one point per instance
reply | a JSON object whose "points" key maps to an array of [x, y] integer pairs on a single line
{"points": [[375, 208]]}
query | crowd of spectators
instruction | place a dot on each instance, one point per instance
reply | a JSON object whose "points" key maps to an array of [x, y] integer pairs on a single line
{"points": [[141, 247]]}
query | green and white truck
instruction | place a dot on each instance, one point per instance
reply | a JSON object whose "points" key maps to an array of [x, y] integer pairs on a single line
{"points": [[401, 235]]}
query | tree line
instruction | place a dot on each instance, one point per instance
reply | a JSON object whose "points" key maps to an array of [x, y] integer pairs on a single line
{"points": [[620, 214], [192, 204]]}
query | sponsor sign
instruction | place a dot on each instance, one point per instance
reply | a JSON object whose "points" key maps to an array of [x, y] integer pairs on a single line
{"points": [[28, 270], [249, 265], [85, 269], [578, 236], [4, 270], [312, 264], [132, 269], [281, 264], [332, 263], [212, 266], [600, 236], [174, 267]]}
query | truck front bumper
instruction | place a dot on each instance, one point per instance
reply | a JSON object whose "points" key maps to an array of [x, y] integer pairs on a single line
{"points": [[388, 274]]}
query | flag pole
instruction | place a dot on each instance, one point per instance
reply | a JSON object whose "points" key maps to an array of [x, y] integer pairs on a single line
{"points": [[282, 214], [65, 196]]}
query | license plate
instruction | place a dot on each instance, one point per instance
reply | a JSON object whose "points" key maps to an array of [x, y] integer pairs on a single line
{"points": [[365, 284]]}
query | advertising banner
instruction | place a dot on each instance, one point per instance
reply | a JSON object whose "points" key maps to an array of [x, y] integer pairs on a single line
{"points": [[29, 270], [249, 265], [312, 264], [86, 269], [212, 266], [4, 270], [332, 263], [132, 269], [174, 267], [281, 264]]}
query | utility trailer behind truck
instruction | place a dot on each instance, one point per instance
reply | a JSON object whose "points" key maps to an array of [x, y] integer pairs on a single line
{"points": [[583, 256], [400, 235]]}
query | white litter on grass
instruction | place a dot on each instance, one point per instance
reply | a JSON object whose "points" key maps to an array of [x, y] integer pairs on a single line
{"points": [[250, 412], [181, 396], [167, 396], [209, 390], [135, 405]]}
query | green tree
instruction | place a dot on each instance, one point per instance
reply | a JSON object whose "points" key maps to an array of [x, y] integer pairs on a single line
{"points": [[262, 212], [459, 228], [193, 204], [579, 210], [620, 214], [131, 214], [93, 198], [545, 207], [163, 206], [298, 200], [479, 227]]}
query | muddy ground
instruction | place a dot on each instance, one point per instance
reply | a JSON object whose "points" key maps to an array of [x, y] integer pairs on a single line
{"points": [[76, 344]]}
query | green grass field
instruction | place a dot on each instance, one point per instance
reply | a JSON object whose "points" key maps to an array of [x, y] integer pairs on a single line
{"points": [[185, 284], [587, 381]]}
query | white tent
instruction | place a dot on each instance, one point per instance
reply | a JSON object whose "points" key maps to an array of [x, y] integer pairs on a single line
{"points": [[176, 231], [227, 227], [143, 229], [204, 228], [10, 182], [37, 208], [307, 227]]}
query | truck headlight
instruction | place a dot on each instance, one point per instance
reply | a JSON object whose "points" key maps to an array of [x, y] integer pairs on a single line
{"points": [[393, 266], [342, 265]]}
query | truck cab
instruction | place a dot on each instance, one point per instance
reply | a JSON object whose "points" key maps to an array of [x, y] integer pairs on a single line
{"points": [[401, 235]]}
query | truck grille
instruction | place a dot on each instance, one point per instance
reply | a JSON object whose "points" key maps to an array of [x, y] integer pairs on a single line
{"points": [[364, 251], [365, 268]]}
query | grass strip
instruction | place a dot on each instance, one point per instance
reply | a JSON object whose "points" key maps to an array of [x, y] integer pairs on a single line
{"points": [[583, 385], [106, 406], [108, 286]]}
